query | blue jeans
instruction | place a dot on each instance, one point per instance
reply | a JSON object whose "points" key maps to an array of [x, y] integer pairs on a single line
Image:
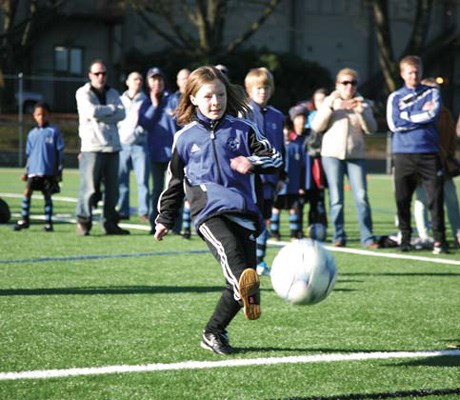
{"points": [[336, 170], [134, 157], [96, 168], [158, 175]]}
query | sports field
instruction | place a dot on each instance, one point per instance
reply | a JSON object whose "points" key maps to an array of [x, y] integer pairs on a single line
{"points": [[107, 317]]}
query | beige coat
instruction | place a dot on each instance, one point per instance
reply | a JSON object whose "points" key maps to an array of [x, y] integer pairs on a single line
{"points": [[343, 129]]}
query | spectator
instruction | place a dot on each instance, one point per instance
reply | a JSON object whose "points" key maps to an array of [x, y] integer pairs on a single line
{"points": [[45, 156], [214, 157], [447, 136], [343, 119], [412, 116], [99, 110], [181, 82], [156, 118], [290, 191], [260, 86], [133, 155]]}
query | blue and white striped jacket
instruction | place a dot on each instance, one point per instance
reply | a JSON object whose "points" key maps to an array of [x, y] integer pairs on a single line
{"points": [[200, 169], [412, 116]]}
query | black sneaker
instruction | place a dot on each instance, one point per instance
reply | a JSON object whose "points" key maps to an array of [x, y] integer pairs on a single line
{"points": [[48, 228], [83, 228], [406, 247], [114, 229], [217, 343], [186, 234], [21, 224]]}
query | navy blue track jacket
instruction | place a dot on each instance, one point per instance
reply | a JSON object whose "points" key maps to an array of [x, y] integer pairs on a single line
{"points": [[200, 169]]}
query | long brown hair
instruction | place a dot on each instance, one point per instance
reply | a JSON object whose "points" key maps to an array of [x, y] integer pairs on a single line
{"points": [[236, 102]]}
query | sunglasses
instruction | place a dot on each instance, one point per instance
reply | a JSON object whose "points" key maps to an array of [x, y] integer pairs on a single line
{"points": [[352, 83], [103, 73]]}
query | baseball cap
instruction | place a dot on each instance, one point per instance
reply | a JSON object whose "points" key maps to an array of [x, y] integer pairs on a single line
{"points": [[299, 109], [155, 71]]}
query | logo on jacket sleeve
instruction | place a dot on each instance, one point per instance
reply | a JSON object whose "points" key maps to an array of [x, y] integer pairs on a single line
{"points": [[233, 143]]}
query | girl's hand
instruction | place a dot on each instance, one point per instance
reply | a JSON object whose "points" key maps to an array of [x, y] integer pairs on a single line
{"points": [[160, 231], [241, 164]]}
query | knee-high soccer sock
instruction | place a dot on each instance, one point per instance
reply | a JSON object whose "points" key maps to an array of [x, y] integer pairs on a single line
{"points": [[25, 208], [225, 311], [48, 210], [186, 219], [294, 225], [261, 246], [275, 224]]}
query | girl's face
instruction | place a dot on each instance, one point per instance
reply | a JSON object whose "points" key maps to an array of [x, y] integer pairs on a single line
{"points": [[211, 99]]}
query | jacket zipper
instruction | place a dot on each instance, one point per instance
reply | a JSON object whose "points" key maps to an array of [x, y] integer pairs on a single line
{"points": [[214, 150]]}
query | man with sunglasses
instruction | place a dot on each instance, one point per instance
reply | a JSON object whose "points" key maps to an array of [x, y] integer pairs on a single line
{"points": [[99, 111], [343, 118]]}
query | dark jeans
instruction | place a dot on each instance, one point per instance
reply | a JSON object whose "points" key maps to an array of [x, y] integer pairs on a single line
{"points": [[234, 247], [409, 170], [95, 168]]}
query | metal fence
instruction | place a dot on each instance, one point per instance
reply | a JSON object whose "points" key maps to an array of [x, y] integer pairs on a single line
{"points": [[21, 92]]}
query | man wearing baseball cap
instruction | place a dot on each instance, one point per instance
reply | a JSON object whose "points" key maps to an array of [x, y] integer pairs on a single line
{"points": [[156, 118]]}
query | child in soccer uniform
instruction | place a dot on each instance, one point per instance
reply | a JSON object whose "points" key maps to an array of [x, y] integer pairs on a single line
{"points": [[260, 86], [214, 159], [290, 195], [45, 156]]}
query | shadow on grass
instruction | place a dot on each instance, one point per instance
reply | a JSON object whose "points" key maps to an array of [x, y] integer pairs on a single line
{"points": [[441, 361], [411, 394], [117, 290]]}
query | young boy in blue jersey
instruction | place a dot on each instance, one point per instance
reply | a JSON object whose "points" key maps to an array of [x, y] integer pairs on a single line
{"points": [[290, 193], [214, 159], [45, 155], [260, 86]]}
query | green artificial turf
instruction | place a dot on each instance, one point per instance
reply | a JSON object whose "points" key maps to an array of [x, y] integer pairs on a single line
{"points": [[77, 302]]}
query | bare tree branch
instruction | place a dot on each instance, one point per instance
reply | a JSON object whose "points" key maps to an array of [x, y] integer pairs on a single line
{"points": [[386, 58], [272, 4], [420, 27]]}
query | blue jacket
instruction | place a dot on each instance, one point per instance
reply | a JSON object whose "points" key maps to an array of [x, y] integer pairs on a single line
{"points": [[45, 151], [294, 166], [200, 169], [270, 122], [414, 127], [160, 126]]}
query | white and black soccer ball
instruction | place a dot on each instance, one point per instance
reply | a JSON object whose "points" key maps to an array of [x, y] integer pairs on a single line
{"points": [[317, 232], [303, 272]]}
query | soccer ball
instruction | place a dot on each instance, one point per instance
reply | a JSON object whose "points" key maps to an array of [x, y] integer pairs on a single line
{"points": [[317, 232], [303, 272]]}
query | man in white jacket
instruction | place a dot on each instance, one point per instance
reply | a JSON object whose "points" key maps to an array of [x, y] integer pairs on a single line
{"points": [[99, 111]]}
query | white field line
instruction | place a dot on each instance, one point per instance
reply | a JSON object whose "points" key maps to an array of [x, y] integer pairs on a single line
{"points": [[330, 248], [194, 365], [376, 253]]}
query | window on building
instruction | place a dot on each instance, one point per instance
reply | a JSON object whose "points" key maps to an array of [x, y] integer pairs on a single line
{"points": [[68, 60]]}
